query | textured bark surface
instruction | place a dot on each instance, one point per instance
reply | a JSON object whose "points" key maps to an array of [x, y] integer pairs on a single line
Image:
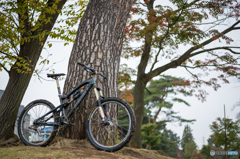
{"points": [[15, 91], [98, 44], [142, 79], [18, 82], [138, 108]]}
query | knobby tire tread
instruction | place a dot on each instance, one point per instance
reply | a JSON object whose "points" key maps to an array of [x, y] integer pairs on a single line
{"points": [[130, 136]]}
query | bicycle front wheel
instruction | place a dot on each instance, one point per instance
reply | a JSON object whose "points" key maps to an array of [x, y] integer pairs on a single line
{"points": [[117, 133], [37, 135]]}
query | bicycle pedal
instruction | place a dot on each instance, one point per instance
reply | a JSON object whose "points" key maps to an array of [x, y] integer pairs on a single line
{"points": [[69, 123]]}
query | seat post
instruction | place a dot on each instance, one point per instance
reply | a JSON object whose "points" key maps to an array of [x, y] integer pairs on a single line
{"points": [[58, 87]]}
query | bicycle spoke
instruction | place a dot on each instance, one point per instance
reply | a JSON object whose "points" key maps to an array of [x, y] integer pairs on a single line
{"points": [[122, 132], [123, 127], [116, 131], [34, 112], [41, 110], [35, 134]]}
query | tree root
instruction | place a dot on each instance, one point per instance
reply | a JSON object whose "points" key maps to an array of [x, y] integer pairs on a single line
{"points": [[13, 141]]}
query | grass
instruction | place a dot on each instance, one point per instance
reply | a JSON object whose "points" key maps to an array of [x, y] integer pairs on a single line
{"points": [[68, 149], [26, 152]]}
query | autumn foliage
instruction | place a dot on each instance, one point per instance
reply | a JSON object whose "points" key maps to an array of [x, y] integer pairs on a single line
{"points": [[192, 35]]}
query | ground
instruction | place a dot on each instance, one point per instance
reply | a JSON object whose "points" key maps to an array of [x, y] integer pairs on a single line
{"points": [[65, 148]]}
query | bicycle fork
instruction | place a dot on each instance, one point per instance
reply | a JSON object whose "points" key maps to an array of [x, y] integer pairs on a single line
{"points": [[104, 117]]}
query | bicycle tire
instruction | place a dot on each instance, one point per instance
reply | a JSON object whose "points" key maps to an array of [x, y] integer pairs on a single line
{"points": [[32, 137], [124, 126]]}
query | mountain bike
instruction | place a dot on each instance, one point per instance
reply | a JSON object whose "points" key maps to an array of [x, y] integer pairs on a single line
{"points": [[109, 124]]}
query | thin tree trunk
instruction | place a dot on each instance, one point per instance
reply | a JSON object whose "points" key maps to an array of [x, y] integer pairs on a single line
{"points": [[10, 103], [18, 82], [136, 141], [142, 79], [98, 44], [14, 92], [156, 115]]}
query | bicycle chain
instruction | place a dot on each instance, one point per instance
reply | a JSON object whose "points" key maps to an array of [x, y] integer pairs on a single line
{"points": [[61, 126], [57, 128]]}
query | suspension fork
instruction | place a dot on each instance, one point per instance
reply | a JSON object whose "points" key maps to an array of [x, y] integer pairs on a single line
{"points": [[103, 109]]}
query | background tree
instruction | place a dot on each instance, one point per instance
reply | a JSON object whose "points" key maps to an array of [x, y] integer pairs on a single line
{"points": [[168, 143], [161, 30], [25, 26], [150, 135], [189, 149], [161, 96], [98, 44], [206, 152], [187, 136], [211, 142], [238, 116], [232, 133]]}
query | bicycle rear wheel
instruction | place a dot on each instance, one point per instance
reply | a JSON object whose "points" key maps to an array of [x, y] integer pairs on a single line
{"points": [[118, 133], [36, 135]]}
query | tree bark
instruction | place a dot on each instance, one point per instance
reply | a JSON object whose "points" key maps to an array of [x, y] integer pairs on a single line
{"points": [[18, 82], [142, 79], [136, 141], [15, 90], [98, 44]]}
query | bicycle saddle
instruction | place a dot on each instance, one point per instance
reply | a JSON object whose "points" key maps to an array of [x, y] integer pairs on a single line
{"points": [[55, 75]]}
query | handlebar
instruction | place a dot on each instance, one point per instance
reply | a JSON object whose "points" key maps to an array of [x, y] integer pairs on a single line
{"points": [[86, 67], [93, 71]]}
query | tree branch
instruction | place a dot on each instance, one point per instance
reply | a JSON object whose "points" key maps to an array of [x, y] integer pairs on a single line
{"points": [[191, 73], [11, 42], [166, 34], [34, 10], [185, 66], [4, 53], [7, 54], [5, 68], [236, 28], [145, 87], [24, 18], [216, 48], [12, 19], [54, 16], [186, 55], [144, 5], [147, 48]]}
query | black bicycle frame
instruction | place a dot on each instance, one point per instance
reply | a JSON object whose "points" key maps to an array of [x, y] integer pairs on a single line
{"points": [[91, 82]]}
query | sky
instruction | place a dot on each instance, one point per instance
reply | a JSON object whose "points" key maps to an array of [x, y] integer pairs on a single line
{"points": [[204, 112]]}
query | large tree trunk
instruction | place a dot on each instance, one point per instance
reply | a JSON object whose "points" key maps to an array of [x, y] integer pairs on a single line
{"points": [[18, 82], [98, 44]]}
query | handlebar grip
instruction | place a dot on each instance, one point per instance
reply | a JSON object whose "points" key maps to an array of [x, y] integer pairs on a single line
{"points": [[81, 64], [93, 71], [103, 76], [86, 67]]}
